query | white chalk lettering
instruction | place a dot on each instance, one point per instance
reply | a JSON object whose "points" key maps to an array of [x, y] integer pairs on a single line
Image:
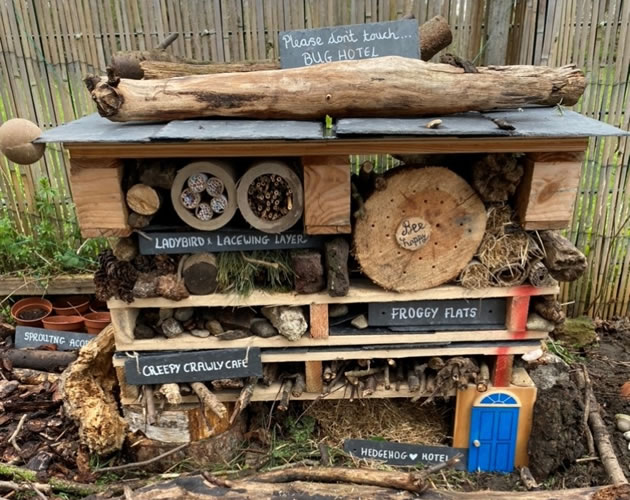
{"points": [[388, 35], [312, 41], [44, 338]]}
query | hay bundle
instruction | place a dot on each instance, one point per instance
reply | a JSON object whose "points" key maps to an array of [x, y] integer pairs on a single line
{"points": [[500, 251], [475, 275], [392, 420], [511, 275]]}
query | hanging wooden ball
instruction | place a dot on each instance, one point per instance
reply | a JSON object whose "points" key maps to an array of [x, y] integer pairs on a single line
{"points": [[201, 219], [420, 230], [16, 141], [296, 201]]}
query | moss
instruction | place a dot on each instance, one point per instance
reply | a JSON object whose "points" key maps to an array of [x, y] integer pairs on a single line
{"points": [[578, 332]]}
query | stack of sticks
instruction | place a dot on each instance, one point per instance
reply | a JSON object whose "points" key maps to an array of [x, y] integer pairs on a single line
{"points": [[270, 197]]}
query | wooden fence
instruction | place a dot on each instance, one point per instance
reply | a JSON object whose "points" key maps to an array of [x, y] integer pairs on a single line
{"points": [[48, 46]]}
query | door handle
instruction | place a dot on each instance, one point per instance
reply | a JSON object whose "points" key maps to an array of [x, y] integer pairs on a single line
{"points": [[476, 443]]}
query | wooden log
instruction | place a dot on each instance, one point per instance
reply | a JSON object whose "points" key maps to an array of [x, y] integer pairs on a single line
{"points": [[483, 380], [200, 273], [157, 174], [206, 487], [138, 221], [47, 361], [564, 261], [33, 377], [143, 199], [243, 399], [419, 231], [309, 271], [435, 35], [287, 388], [209, 400], [351, 88], [338, 278], [171, 393]]}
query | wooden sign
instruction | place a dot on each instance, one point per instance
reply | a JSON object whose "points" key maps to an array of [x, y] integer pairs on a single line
{"points": [[403, 453], [26, 336], [437, 313], [347, 43], [193, 366], [228, 240]]}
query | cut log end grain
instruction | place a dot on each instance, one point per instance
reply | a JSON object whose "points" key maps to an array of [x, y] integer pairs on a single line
{"points": [[200, 273], [143, 199], [420, 231]]}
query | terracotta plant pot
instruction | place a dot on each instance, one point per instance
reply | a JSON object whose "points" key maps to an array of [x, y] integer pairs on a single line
{"points": [[31, 311], [98, 306], [71, 305], [65, 323], [96, 321]]}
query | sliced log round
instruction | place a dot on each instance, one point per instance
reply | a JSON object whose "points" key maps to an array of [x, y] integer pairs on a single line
{"points": [[214, 168], [271, 167], [420, 230], [143, 199]]}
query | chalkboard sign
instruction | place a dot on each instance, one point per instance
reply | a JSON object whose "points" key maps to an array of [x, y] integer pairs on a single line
{"points": [[193, 366], [229, 240], [26, 336], [346, 43], [435, 313], [404, 454]]}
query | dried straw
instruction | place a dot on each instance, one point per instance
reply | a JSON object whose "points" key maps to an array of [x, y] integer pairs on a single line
{"points": [[475, 275], [511, 275], [500, 218], [497, 252], [397, 420]]}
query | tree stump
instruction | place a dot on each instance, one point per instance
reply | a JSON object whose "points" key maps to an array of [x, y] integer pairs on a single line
{"points": [[419, 231]]}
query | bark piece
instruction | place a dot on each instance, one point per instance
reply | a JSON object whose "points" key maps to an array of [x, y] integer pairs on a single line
{"points": [[299, 386], [270, 373], [289, 321], [209, 400], [126, 249], [357, 88], [87, 387], [309, 272], [158, 174], [243, 399], [39, 359], [171, 393], [420, 231], [263, 328], [33, 377], [564, 261], [200, 273], [227, 383], [495, 177], [7, 387], [338, 279], [143, 199]]}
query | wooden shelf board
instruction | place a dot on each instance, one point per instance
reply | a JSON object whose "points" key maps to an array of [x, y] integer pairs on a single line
{"points": [[189, 342], [272, 393], [359, 293], [366, 145], [60, 285]]}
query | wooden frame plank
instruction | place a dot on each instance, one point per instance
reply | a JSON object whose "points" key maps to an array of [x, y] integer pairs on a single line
{"points": [[366, 145], [125, 342], [61, 285], [359, 293], [319, 321]]}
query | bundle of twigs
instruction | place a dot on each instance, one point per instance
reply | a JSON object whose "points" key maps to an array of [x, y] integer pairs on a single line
{"points": [[270, 197]]}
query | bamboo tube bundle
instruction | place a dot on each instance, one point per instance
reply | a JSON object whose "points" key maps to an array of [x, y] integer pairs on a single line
{"points": [[539, 275], [204, 194], [270, 196]]}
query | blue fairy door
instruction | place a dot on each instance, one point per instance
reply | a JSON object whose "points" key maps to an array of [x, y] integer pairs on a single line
{"points": [[493, 426]]}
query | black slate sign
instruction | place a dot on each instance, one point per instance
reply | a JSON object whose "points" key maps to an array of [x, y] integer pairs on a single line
{"points": [[404, 454], [346, 43], [26, 336], [229, 240], [193, 366], [435, 313]]}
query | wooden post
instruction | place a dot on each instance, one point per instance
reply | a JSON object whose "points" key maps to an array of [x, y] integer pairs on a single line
{"points": [[546, 195], [516, 324], [326, 194], [98, 196], [319, 330]]}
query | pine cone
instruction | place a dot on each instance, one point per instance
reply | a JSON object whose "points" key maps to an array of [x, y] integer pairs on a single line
{"points": [[165, 264], [114, 278], [144, 263]]}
